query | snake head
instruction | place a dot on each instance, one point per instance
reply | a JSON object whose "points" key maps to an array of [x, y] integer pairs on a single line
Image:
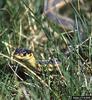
{"points": [[23, 54]]}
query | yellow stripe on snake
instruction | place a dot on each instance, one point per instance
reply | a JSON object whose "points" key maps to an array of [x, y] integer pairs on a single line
{"points": [[27, 57]]}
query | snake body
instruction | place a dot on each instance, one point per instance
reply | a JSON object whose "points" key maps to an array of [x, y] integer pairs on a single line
{"points": [[27, 57]]}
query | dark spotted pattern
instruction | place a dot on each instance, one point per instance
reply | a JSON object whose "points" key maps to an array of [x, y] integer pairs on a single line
{"points": [[23, 51]]}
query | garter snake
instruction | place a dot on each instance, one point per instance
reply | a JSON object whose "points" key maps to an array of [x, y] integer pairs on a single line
{"points": [[27, 56]]}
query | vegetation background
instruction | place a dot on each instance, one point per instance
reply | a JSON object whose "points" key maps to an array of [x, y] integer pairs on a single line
{"points": [[26, 24]]}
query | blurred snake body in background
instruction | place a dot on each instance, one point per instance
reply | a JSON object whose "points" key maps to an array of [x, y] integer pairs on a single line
{"points": [[51, 10]]}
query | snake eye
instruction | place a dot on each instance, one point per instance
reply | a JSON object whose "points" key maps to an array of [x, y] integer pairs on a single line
{"points": [[24, 54]]}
